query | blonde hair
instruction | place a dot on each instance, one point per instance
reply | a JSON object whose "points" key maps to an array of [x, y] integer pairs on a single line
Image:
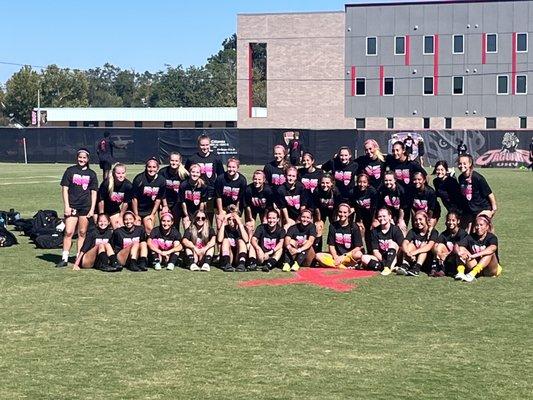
{"points": [[375, 145], [111, 178], [200, 182], [182, 171], [202, 234], [284, 163]]}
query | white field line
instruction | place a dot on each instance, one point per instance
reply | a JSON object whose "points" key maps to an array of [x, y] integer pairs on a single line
{"points": [[28, 177], [26, 182]]}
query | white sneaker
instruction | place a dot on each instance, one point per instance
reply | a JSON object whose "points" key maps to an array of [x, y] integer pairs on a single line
{"points": [[157, 267], [460, 276], [194, 267], [205, 267], [469, 278], [386, 271], [401, 270], [170, 267]]}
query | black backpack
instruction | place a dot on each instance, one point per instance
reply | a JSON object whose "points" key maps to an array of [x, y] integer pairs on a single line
{"points": [[43, 223], [49, 241], [7, 238]]}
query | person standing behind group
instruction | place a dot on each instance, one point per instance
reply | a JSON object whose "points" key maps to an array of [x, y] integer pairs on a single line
{"points": [[148, 190], [275, 169], [174, 174], [104, 151], [79, 186], [258, 198], [401, 165], [372, 163], [193, 195], [229, 190], [114, 195], [295, 149], [344, 170], [447, 187]]}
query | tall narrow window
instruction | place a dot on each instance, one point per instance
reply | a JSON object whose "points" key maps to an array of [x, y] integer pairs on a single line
{"points": [[399, 45], [458, 85], [428, 85], [523, 122], [448, 123], [521, 84], [388, 87], [521, 42], [360, 86], [490, 123], [503, 84], [458, 44], [426, 123], [492, 43], [429, 44], [371, 46], [390, 123], [259, 79]]}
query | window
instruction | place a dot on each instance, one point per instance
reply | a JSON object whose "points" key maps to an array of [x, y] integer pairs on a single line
{"points": [[399, 45], [108, 124], [198, 124], [138, 124], [490, 122], [523, 122], [360, 123], [428, 85], [92, 124], [521, 84], [429, 45], [390, 123], [503, 84], [458, 44], [360, 86], [448, 123], [167, 124], [371, 46], [521, 42], [426, 123], [388, 87], [230, 124], [492, 43], [73, 123], [458, 85]]}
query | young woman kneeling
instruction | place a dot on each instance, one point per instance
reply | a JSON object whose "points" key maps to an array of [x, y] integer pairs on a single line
{"points": [[267, 243]]}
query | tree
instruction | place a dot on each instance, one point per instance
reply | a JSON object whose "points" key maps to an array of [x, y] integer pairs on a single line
{"points": [[169, 89], [21, 94], [3, 117], [222, 72], [63, 88], [101, 86], [124, 87]]}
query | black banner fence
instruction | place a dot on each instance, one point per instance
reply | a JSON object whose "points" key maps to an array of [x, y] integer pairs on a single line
{"points": [[495, 148]]}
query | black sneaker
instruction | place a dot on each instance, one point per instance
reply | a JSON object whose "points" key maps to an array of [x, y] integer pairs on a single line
{"points": [[116, 266], [61, 264], [413, 271], [133, 267], [107, 268], [228, 268], [240, 268], [265, 268], [142, 267], [252, 267]]}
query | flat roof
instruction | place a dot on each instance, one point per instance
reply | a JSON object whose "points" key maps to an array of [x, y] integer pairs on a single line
{"points": [[424, 2], [140, 113]]}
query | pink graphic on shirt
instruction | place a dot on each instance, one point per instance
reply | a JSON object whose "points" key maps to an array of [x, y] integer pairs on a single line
{"points": [[173, 185], [117, 197], [477, 248], [278, 179], [344, 239], [310, 184], [231, 192], [151, 192], [449, 245], [269, 244], [293, 201], [467, 189], [193, 196], [373, 171], [259, 202], [402, 175], [100, 241], [163, 244], [128, 242], [327, 203], [392, 201], [343, 176], [81, 180], [419, 243], [364, 203], [384, 245], [199, 243], [419, 204], [300, 239], [206, 169]]}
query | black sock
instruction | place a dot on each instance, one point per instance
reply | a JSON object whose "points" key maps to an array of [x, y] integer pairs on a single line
{"points": [[374, 265], [113, 259], [389, 257], [242, 258], [190, 259], [251, 261], [173, 259], [418, 266], [224, 260], [271, 263], [300, 258], [133, 263], [142, 262], [208, 259], [317, 245]]}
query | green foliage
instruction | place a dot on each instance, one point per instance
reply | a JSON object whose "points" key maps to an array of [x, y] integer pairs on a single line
{"points": [[21, 94], [62, 87]]}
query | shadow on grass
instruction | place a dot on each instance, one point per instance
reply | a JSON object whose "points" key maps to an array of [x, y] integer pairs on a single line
{"points": [[53, 258]]}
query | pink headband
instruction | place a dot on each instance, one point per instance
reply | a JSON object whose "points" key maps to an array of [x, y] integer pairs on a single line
{"points": [[167, 214]]}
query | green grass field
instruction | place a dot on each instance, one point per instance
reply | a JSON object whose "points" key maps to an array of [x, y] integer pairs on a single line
{"points": [[181, 335]]}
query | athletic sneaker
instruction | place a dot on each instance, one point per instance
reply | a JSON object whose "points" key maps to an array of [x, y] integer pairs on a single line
{"points": [[499, 270], [228, 268], [386, 271], [295, 267], [170, 267], [157, 266], [440, 274], [413, 271], [205, 268], [460, 276], [252, 267], [133, 267], [433, 273], [402, 269], [286, 267], [469, 278], [61, 264], [240, 268], [194, 267]]}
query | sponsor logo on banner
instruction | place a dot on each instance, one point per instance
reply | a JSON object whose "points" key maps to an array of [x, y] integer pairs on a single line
{"points": [[507, 156]]}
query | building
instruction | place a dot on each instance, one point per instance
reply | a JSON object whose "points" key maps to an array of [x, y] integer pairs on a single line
{"points": [[407, 65], [140, 117]]}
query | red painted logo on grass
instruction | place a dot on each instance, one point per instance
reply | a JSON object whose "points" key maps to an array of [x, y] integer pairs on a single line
{"points": [[323, 277]]}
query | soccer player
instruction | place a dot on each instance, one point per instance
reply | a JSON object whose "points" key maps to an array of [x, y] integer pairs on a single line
{"points": [[267, 243], [423, 198], [344, 171], [193, 195], [372, 163], [447, 187], [229, 190], [164, 243], [400, 164], [309, 174], [199, 242], [291, 198], [114, 195], [232, 238], [396, 199], [129, 244], [445, 250], [299, 241], [275, 169], [364, 199], [174, 175], [258, 198]]}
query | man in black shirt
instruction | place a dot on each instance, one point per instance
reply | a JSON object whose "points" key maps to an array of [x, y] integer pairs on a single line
{"points": [[104, 150]]}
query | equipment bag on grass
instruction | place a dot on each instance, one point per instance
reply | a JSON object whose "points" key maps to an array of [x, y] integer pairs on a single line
{"points": [[43, 223], [50, 241], [6, 238]]}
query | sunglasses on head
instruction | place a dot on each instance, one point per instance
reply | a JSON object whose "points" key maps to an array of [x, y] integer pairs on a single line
{"points": [[200, 218]]}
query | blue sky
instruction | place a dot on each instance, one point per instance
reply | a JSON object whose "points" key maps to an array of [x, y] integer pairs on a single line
{"points": [[143, 35]]}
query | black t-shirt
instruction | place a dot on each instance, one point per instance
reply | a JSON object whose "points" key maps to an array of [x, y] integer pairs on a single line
{"points": [[233, 234], [395, 200], [268, 240], [373, 168], [403, 171], [293, 199], [147, 190], [192, 196], [104, 150], [258, 201], [295, 149], [165, 240], [123, 238], [199, 243], [80, 183], [344, 175], [424, 200], [301, 233], [210, 167], [474, 244], [449, 192], [231, 191], [325, 202], [475, 191], [274, 175], [449, 239], [310, 180], [172, 185], [382, 240], [96, 237], [344, 238], [365, 203], [419, 239], [122, 193]]}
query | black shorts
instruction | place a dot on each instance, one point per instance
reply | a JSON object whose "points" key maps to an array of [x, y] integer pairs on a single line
{"points": [[80, 212], [105, 165]]}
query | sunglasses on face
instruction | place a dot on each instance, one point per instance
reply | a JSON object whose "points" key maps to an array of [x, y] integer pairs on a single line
{"points": [[200, 218]]}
